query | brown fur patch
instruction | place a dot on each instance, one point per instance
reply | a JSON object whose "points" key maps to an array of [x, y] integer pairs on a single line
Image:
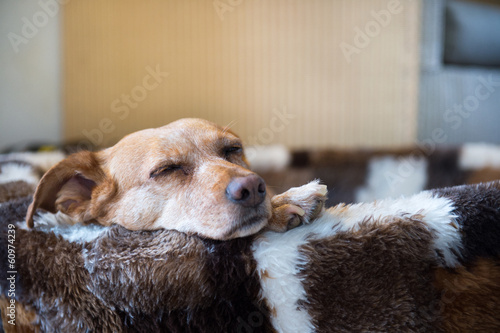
{"points": [[483, 175], [55, 281], [164, 253], [178, 282], [470, 300], [376, 279], [15, 190]]}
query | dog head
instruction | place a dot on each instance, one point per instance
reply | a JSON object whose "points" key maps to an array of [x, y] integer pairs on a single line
{"points": [[190, 175]]}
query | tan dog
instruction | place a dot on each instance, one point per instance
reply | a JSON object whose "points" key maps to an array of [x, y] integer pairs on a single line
{"points": [[190, 175]]}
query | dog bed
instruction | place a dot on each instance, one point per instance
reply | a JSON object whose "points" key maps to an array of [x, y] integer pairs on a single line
{"points": [[396, 272]]}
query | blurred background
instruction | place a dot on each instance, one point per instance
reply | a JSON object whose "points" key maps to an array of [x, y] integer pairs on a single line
{"points": [[341, 73], [316, 74]]}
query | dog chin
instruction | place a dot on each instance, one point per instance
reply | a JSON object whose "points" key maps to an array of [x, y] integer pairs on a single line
{"points": [[246, 227]]}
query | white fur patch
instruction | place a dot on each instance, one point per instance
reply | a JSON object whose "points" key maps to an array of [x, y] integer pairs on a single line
{"points": [[278, 258], [390, 177], [278, 262], [475, 156], [268, 158], [44, 159], [63, 225], [11, 172]]}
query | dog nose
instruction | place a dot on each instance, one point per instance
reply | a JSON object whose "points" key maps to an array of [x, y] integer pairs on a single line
{"points": [[248, 191]]}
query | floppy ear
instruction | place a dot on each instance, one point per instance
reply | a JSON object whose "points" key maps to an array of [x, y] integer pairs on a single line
{"points": [[68, 186]]}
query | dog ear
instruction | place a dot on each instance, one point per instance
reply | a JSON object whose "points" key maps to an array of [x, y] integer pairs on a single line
{"points": [[68, 186]]}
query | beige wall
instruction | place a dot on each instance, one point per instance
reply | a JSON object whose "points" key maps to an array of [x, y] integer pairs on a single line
{"points": [[242, 62], [30, 89]]}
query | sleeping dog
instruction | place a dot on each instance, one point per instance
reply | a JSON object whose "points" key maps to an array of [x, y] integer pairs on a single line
{"points": [[190, 175], [424, 263]]}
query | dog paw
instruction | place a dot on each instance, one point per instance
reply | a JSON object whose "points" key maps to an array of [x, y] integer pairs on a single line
{"points": [[298, 205]]}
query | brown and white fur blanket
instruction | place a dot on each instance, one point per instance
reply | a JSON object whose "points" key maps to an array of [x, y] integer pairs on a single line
{"points": [[367, 175], [424, 263]]}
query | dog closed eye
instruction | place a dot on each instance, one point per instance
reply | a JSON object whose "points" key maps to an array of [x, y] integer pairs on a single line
{"points": [[168, 169], [233, 150]]}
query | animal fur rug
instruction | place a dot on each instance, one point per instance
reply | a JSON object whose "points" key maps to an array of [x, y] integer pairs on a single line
{"points": [[427, 263]]}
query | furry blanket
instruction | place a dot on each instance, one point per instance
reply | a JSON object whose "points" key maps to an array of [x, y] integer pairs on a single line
{"points": [[427, 263]]}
